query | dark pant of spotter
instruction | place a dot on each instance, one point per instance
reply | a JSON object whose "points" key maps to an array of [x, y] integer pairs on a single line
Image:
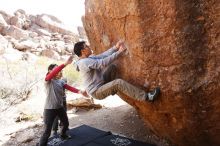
{"points": [[49, 116], [57, 121]]}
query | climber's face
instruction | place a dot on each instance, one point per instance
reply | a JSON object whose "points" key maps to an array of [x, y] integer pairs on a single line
{"points": [[86, 51]]}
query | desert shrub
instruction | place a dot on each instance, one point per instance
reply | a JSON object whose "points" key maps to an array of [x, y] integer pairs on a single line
{"points": [[18, 80], [72, 75], [20, 77]]}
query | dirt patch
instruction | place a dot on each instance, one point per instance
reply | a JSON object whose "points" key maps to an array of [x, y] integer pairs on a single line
{"points": [[115, 116]]}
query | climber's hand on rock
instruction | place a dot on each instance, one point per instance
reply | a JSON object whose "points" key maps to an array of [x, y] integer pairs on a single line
{"points": [[119, 44], [122, 48]]}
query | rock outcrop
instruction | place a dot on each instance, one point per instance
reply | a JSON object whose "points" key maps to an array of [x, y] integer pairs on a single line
{"points": [[172, 44], [42, 35], [82, 33]]}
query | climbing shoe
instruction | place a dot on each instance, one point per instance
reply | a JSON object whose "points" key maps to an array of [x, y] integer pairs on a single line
{"points": [[152, 95]]}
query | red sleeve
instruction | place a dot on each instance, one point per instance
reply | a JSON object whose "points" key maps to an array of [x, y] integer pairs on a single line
{"points": [[54, 72], [70, 88]]}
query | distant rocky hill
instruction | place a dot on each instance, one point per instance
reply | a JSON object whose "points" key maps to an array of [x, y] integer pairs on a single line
{"points": [[42, 35]]}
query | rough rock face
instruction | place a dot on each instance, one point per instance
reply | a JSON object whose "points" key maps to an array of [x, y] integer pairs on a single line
{"points": [[173, 44]]}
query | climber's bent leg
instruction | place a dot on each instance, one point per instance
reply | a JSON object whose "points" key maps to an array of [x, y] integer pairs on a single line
{"points": [[122, 86]]}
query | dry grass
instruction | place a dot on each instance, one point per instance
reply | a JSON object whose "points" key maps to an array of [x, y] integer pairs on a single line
{"points": [[18, 79], [22, 92]]}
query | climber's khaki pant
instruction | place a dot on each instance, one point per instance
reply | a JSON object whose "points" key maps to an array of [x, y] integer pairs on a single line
{"points": [[117, 86]]}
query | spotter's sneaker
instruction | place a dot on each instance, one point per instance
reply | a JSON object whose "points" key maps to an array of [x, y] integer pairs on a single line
{"points": [[54, 133], [65, 137], [152, 95]]}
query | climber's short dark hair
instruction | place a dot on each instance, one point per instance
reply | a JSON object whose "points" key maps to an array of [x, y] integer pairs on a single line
{"points": [[78, 47]]}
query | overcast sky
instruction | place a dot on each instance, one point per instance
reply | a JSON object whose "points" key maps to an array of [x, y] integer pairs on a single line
{"points": [[68, 11]]}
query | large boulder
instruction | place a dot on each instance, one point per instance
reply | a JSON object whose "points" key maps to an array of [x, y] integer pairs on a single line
{"points": [[173, 44], [2, 23], [6, 16], [3, 44], [52, 24], [26, 45], [16, 21], [15, 32], [50, 54], [39, 30]]}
